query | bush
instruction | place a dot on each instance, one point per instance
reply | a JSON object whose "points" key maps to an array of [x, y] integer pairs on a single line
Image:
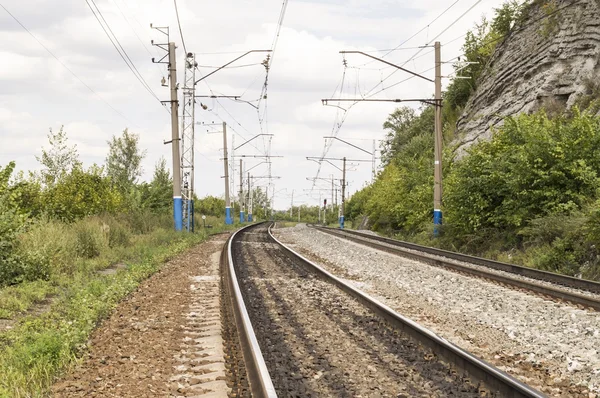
{"points": [[91, 237], [48, 248]]}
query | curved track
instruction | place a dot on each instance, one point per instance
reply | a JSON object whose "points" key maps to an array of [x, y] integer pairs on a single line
{"points": [[577, 290], [321, 337]]}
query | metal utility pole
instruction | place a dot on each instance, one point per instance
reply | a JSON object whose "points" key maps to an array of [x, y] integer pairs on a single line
{"points": [[169, 47], [437, 187], [332, 191], [249, 199], [242, 201], [292, 206], [437, 103], [343, 194], [177, 203], [374, 166], [187, 143], [228, 218]]}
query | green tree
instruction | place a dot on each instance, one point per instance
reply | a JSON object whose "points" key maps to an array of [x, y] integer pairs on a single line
{"points": [[82, 193], [158, 194], [60, 159], [124, 160]]}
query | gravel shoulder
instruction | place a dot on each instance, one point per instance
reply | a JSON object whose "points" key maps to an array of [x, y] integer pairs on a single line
{"points": [[549, 345], [156, 342]]}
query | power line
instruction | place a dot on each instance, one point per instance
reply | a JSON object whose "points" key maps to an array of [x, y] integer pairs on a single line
{"points": [[117, 45], [63, 65], [179, 24], [136, 34], [428, 43]]}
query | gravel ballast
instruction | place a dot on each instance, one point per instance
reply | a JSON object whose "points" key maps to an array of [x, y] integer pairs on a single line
{"points": [[549, 345], [319, 341]]}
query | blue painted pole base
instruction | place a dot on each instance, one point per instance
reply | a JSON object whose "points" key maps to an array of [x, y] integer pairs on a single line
{"points": [[249, 217], [437, 221], [228, 219], [242, 218], [342, 222], [178, 213]]}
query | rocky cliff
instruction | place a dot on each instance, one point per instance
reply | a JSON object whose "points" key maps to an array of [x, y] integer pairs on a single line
{"points": [[550, 60]]}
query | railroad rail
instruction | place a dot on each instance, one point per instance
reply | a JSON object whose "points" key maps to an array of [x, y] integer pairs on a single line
{"points": [[258, 378], [443, 258], [494, 380]]}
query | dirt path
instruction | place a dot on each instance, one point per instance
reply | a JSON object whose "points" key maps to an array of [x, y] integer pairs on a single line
{"points": [[164, 340]]}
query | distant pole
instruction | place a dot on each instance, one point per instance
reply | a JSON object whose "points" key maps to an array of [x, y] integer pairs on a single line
{"points": [[242, 201], [332, 192], [249, 199], [374, 166], [319, 207], [177, 202], [292, 206], [437, 187], [232, 171], [343, 194], [228, 218]]}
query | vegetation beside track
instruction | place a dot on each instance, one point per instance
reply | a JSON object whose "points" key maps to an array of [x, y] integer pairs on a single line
{"points": [[73, 243], [527, 196]]}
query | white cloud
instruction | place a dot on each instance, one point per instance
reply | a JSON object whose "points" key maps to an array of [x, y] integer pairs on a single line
{"points": [[39, 93]]}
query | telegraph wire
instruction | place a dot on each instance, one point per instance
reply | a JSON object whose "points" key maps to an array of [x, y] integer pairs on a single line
{"points": [[119, 48], [179, 24], [65, 66], [136, 35]]}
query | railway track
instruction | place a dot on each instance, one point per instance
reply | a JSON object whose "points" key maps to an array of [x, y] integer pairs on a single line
{"points": [[304, 332], [559, 287]]}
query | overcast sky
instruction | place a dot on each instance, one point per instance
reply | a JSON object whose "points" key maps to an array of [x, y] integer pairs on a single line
{"points": [[38, 93]]}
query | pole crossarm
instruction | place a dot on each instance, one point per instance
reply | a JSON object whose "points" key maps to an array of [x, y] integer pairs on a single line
{"points": [[251, 139], [338, 159], [257, 156], [352, 145], [327, 161], [218, 96], [388, 63], [230, 62], [429, 101]]}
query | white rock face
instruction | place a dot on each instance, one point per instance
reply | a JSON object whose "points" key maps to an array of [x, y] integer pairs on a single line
{"points": [[546, 60]]}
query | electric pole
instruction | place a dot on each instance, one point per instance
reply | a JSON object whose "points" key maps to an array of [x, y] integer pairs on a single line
{"points": [[343, 194], [249, 199], [374, 166], [292, 206], [187, 142], [228, 218], [242, 201], [437, 187], [177, 203]]}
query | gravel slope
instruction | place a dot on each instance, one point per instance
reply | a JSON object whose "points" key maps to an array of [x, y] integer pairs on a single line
{"points": [[157, 341], [550, 346]]}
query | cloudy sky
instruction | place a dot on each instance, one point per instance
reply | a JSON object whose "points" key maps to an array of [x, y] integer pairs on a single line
{"points": [[39, 93]]}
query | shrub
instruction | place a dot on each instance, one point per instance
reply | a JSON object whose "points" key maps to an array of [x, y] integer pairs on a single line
{"points": [[91, 237]]}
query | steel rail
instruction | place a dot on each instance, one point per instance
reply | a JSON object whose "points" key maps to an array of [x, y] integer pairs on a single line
{"points": [[495, 379], [259, 379], [440, 258]]}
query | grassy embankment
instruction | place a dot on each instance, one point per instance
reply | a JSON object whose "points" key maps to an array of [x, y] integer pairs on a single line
{"points": [[88, 267]]}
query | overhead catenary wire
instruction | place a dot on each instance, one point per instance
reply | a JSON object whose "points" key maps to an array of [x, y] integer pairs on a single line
{"points": [[63, 64]]}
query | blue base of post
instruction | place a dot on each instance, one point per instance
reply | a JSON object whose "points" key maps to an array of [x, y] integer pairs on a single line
{"points": [[242, 217], [342, 222], [249, 217], [228, 219], [178, 213], [437, 221]]}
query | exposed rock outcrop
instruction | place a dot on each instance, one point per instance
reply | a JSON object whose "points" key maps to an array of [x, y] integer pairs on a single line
{"points": [[551, 60]]}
